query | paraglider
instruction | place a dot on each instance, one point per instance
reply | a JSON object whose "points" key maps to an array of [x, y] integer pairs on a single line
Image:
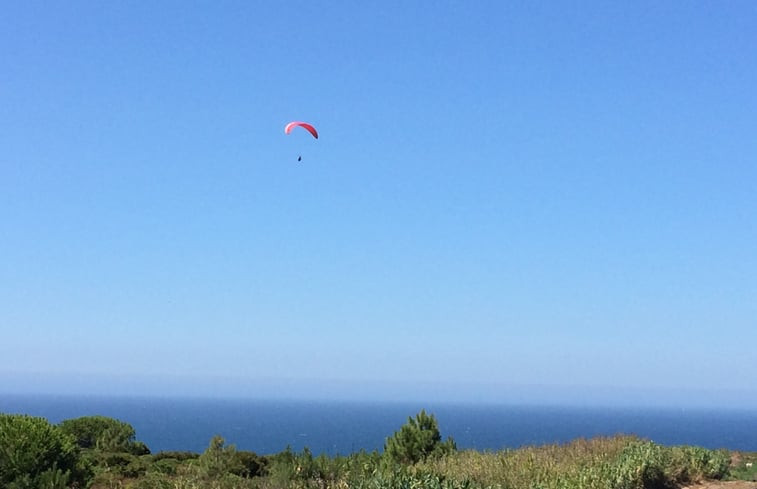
{"points": [[308, 127]]}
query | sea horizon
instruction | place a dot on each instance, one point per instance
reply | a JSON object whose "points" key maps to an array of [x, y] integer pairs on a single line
{"points": [[333, 427]]}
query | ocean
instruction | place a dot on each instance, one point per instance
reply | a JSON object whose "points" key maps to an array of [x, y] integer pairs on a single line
{"points": [[340, 427]]}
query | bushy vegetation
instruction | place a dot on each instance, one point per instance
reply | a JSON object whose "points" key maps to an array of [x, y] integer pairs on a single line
{"points": [[36, 454], [105, 434], [621, 462], [418, 440], [102, 453], [744, 466]]}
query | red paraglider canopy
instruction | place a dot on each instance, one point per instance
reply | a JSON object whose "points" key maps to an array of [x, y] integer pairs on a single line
{"points": [[303, 125]]}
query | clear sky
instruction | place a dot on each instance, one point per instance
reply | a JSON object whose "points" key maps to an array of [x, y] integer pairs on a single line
{"points": [[507, 198]]}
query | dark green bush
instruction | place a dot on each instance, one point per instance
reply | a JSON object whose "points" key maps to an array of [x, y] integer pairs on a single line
{"points": [[35, 453], [252, 464], [180, 456], [417, 440], [105, 434], [281, 467], [153, 481], [164, 466], [120, 463], [219, 459]]}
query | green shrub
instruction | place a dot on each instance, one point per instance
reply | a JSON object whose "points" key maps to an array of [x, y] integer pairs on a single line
{"points": [[694, 464], [219, 459], [417, 440], [282, 467], [252, 464], [180, 456], [164, 466], [105, 434], [35, 453], [153, 481], [122, 464]]}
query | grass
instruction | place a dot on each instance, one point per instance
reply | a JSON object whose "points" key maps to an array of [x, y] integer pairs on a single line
{"points": [[744, 466], [620, 462]]}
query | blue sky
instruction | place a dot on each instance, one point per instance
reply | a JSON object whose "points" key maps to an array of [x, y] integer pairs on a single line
{"points": [[509, 200]]}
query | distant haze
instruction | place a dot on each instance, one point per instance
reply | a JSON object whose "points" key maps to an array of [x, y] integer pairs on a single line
{"points": [[420, 393]]}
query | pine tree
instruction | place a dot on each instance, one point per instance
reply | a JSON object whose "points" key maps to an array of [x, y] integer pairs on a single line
{"points": [[416, 440]]}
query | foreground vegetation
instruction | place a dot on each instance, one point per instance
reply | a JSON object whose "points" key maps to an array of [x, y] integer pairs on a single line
{"points": [[102, 453]]}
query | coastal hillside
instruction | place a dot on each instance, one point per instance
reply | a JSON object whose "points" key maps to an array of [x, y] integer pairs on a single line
{"points": [[103, 453]]}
